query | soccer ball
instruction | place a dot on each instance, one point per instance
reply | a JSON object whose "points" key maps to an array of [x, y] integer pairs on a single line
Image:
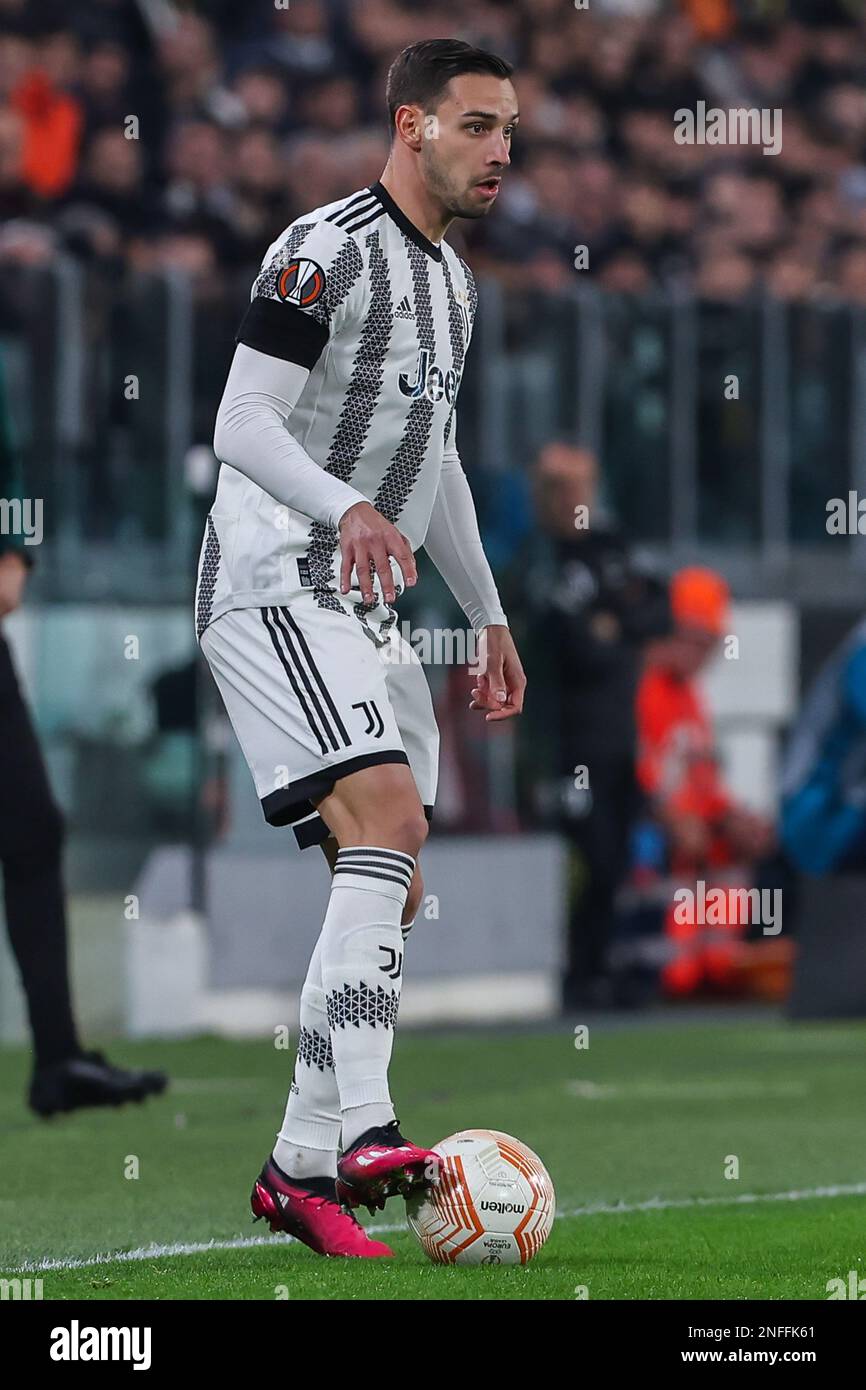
{"points": [[492, 1204]]}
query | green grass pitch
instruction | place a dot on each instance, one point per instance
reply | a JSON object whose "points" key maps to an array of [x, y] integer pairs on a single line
{"points": [[647, 1113]]}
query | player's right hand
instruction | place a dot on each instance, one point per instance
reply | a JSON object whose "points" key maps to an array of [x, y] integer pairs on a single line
{"points": [[367, 540]]}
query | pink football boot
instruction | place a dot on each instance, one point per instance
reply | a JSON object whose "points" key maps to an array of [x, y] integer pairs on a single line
{"points": [[382, 1164], [309, 1210]]}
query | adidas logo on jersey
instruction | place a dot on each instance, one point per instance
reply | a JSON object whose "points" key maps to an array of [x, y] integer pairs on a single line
{"points": [[404, 309]]}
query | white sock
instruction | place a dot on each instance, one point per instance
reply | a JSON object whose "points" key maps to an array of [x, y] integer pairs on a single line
{"points": [[362, 964], [363, 1117], [313, 1106], [307, 1143]]}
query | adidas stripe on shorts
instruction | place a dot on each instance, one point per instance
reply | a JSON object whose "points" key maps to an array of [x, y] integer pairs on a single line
{"points": [[315, 693]]}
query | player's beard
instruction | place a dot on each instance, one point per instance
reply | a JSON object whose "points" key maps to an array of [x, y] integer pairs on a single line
{"points": [[455, 199]]}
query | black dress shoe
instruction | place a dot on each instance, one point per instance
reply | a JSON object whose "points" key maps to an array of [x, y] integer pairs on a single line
{"points": [[89, 1079]]}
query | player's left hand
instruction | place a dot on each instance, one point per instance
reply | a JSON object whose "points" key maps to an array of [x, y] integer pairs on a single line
{"points": [[500, 681]]}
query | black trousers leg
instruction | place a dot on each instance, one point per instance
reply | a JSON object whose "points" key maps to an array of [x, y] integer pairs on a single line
{"points": [[31, 844], [600, 840]]}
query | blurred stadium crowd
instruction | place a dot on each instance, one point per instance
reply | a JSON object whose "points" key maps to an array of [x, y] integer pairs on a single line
{"points": [[248, 114]]}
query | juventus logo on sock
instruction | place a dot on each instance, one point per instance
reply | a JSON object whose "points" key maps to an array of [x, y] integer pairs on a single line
{"points": [[393, 966]]}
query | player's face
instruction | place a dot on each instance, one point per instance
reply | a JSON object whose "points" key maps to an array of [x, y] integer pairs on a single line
{"points": [[467, 145]]}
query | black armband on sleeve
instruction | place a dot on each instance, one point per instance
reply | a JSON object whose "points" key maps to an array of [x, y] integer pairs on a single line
{"points": [[281, 330]]}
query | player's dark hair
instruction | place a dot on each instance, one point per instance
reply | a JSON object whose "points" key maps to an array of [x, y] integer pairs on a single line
{"points": [[419, 75]]}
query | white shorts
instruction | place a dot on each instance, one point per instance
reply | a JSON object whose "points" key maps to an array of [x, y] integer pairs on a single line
{"points": [[315, 693]]}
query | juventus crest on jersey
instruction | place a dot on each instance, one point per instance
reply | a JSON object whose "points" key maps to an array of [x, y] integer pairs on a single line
{"points": [[382, 319]]}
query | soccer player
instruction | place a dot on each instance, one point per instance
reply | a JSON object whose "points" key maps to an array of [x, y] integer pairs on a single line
{"points": [[337, 440]]}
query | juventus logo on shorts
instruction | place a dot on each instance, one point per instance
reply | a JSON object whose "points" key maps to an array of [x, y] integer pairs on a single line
{"points": [[374, 718]]}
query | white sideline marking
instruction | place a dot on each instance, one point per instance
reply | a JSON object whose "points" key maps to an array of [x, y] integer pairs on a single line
{"points": [[146, 1252], [162, 1252], [745, 1089], [744, 1199]]}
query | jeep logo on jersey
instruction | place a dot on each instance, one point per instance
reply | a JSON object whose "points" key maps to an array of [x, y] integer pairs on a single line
{"points": [[430, 380], [301, 283]]}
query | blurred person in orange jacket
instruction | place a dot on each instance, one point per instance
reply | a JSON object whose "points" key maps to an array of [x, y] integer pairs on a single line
{"points": [[53, 124], [709, 835]]}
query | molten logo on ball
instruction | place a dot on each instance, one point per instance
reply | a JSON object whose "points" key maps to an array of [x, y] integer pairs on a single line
{"points": [[493, 1202]]}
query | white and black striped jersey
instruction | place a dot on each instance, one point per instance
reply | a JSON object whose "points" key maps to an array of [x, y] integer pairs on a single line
{"points": [[381, 317]]}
